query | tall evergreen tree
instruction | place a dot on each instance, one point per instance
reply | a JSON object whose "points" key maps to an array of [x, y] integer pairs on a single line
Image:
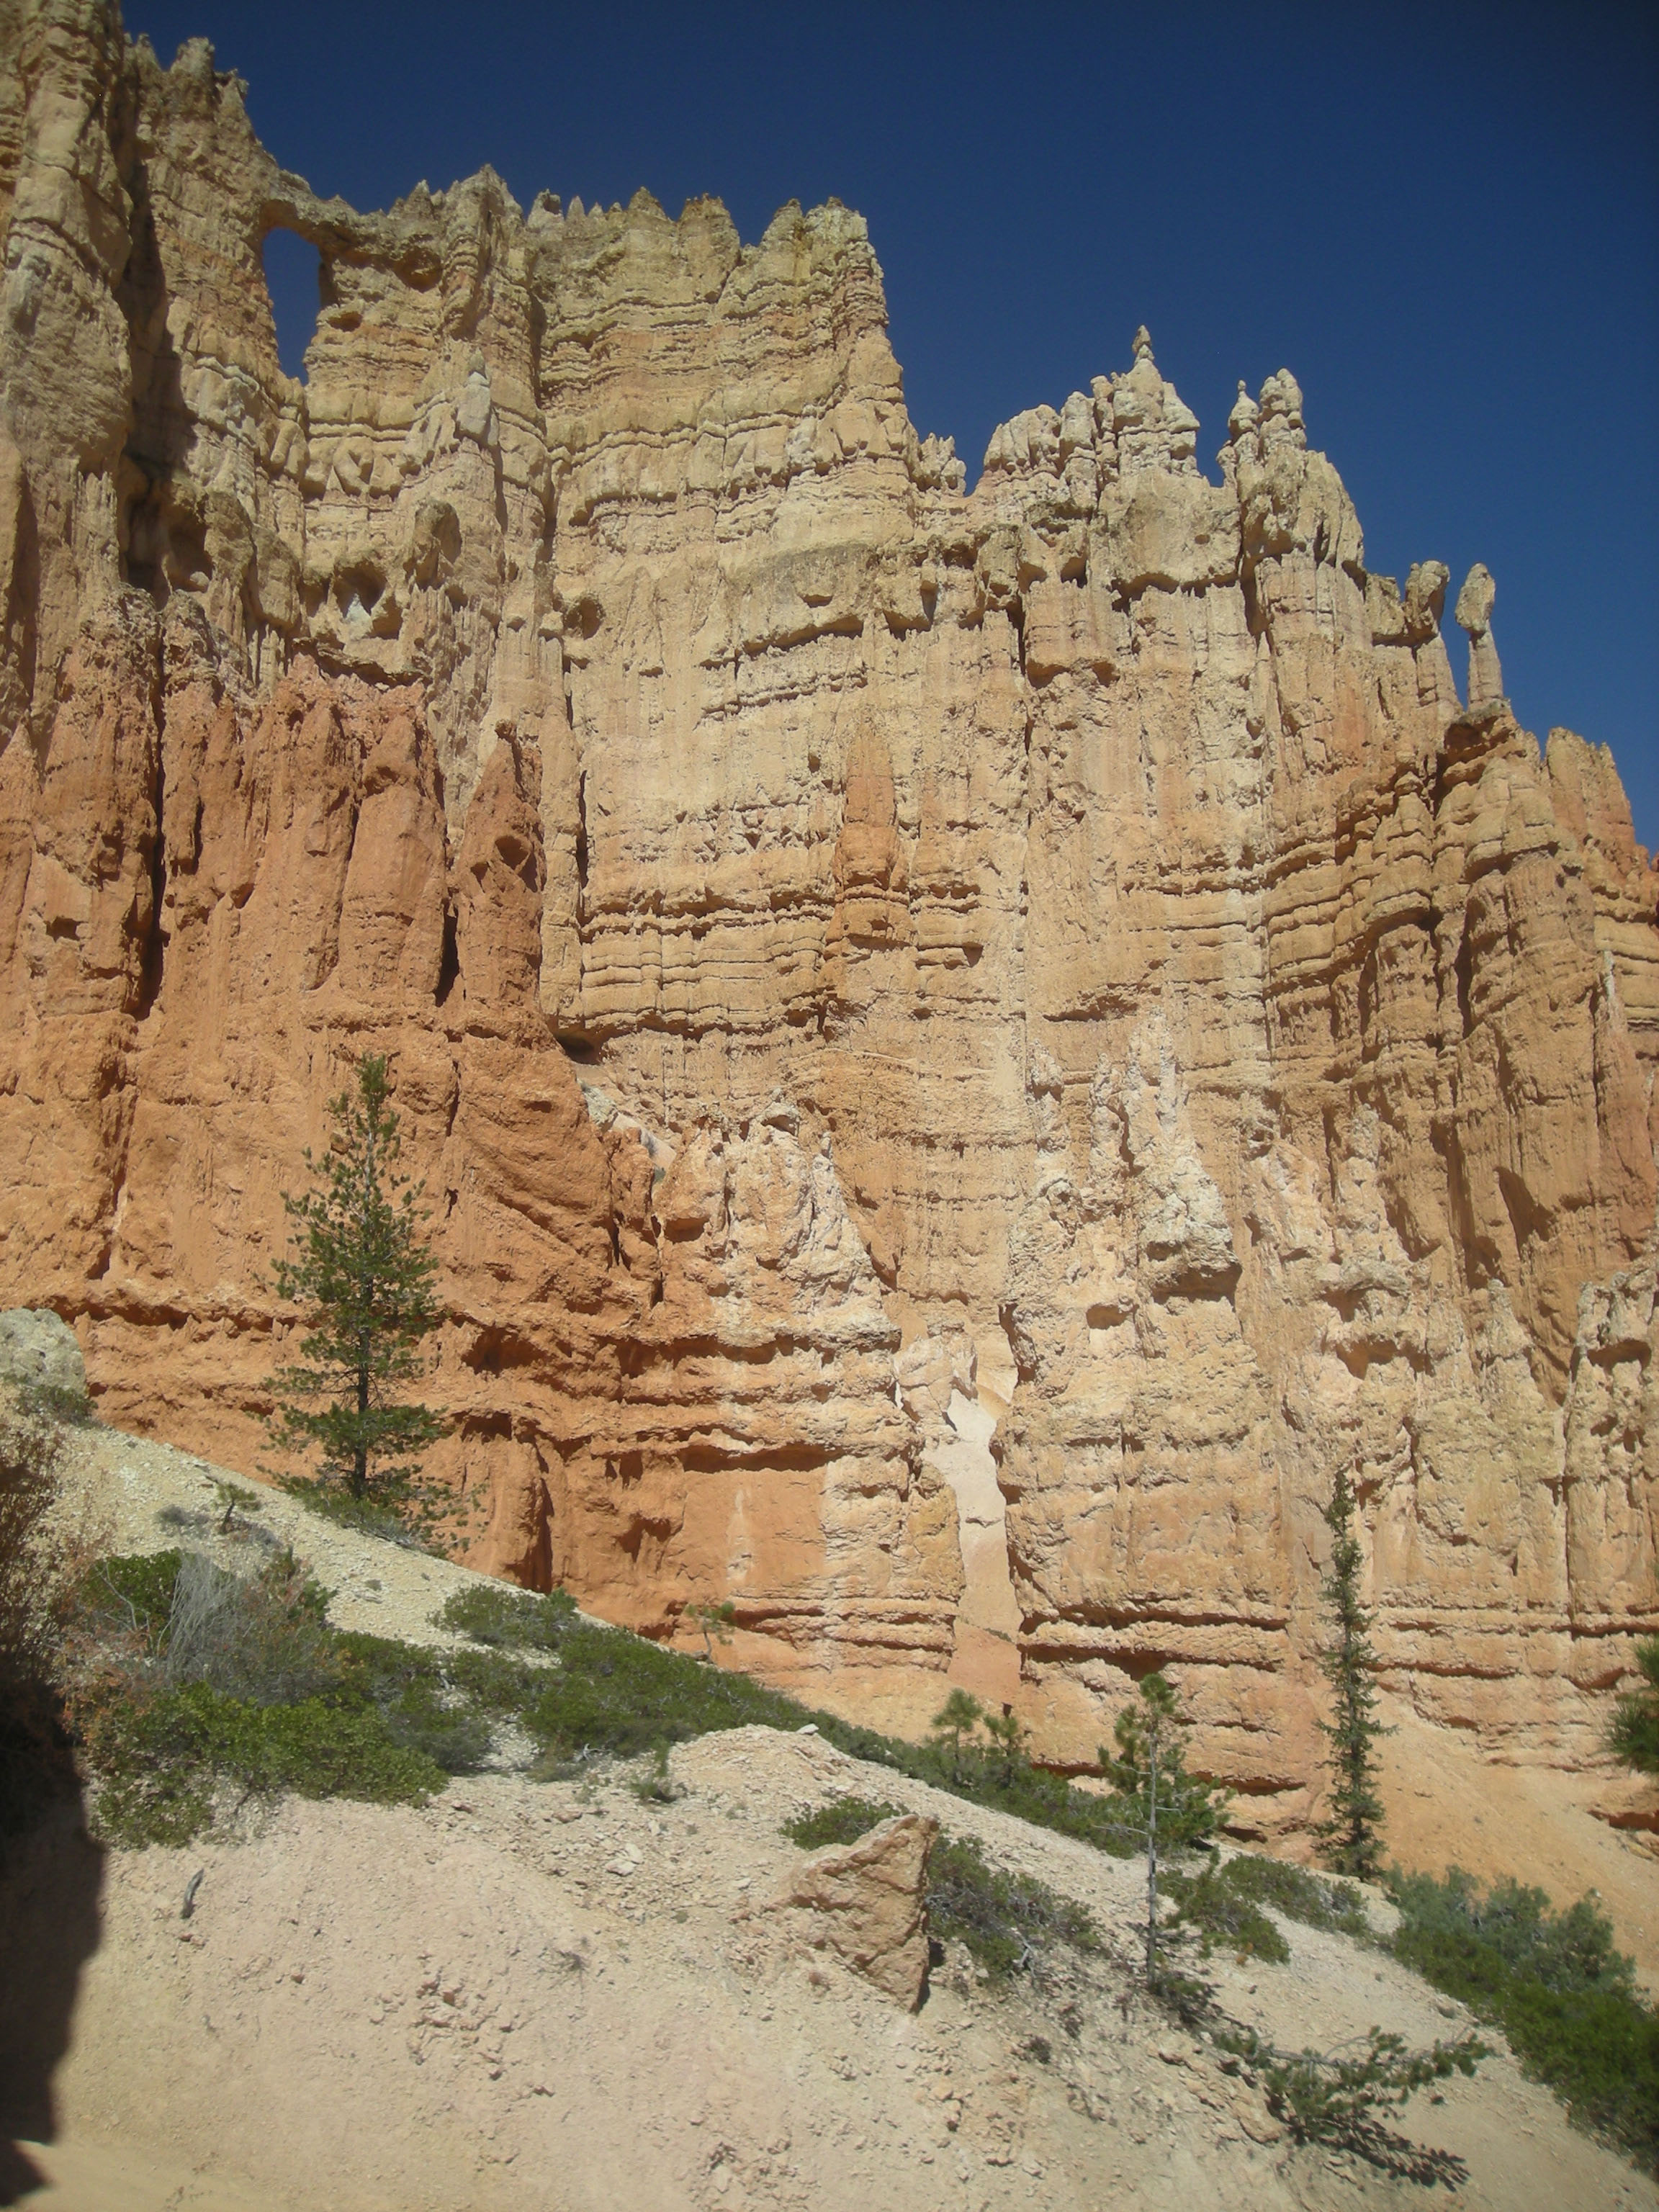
{"points": [[1350, 1836], [360, 1269], [1633, 1733]]}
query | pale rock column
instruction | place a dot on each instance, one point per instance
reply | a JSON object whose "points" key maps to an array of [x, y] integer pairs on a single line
{"points": [[1474, 617]]}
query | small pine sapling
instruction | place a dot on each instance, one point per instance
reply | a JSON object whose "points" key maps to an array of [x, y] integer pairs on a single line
{"points": [[715, 1623], [1009, 1739], [232, 1495], [362, 1273], [1350, 1837], [1156, 1795], [956, 1721]]}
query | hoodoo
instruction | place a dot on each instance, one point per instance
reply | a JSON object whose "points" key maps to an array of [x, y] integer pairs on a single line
{"points": [[968, 1050]]}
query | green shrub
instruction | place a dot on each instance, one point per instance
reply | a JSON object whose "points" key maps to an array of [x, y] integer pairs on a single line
{"points": [[842, 1822], [494, 1682], [35, 1768], [164, 1759], [518, 1618], [1565, 1997], [1633, 1731], [205, 1681], [412, 1691], [136, 1591], [624, 1699], [1222, 1913], [61, 1405], [1245, 1883], [1009, 1922]]}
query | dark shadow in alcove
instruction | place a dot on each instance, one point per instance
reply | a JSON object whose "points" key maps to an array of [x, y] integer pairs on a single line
{"points": [[51, 1879]]}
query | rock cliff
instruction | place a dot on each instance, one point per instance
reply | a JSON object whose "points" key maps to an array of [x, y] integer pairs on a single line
{"points": [[967, 1050]]}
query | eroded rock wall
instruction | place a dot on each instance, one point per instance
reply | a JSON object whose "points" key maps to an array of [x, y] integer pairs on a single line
{"points": [[967, 1050]]}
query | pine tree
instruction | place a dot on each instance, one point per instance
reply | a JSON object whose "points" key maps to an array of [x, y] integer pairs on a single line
{"points": [[1151, 1790], [1188, 1811], [1011, 1738], [362, 1270], [1633, 1733], [1350, 1839], [956, 1718]]}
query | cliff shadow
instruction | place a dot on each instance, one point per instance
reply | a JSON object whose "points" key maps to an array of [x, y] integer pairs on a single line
{"points": [[51, 1880]]}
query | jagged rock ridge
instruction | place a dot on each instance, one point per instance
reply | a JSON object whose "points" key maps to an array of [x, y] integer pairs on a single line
{"points": [[968, 1049]]}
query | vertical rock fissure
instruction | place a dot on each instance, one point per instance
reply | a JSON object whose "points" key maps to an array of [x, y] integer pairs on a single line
{"points": [[582, 851], [449, 960], [152, 958]]}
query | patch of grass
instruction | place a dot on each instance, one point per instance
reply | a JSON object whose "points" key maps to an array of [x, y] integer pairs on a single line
{"points": [[1009, 1922], [842, 1822], [59, 1404], [1223, 1915], [1031, 1793], [370, 1516], [262, 1638], [1317, 1901], [600, 1692], [1565, 1997], [613, 1693]]}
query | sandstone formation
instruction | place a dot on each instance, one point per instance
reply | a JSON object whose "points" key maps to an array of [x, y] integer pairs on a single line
{"points": [[968, 1049], [867, 1902]]}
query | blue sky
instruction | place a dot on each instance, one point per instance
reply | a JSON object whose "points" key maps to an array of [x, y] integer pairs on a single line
{"points": [[1444, 219]]}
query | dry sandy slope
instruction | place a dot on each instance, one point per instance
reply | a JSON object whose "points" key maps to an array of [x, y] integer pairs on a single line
{"points": [[550, 1996], [1446, 1805], [527, 1996]]}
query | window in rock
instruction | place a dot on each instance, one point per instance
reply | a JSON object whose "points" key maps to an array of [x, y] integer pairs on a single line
{"points": [[293, 279]]}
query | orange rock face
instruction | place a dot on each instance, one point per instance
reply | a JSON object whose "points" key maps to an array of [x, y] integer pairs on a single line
{"points": [[967, 1051]]}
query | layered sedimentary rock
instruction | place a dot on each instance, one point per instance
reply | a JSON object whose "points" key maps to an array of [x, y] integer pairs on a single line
{"points": [[968, 1049]]}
